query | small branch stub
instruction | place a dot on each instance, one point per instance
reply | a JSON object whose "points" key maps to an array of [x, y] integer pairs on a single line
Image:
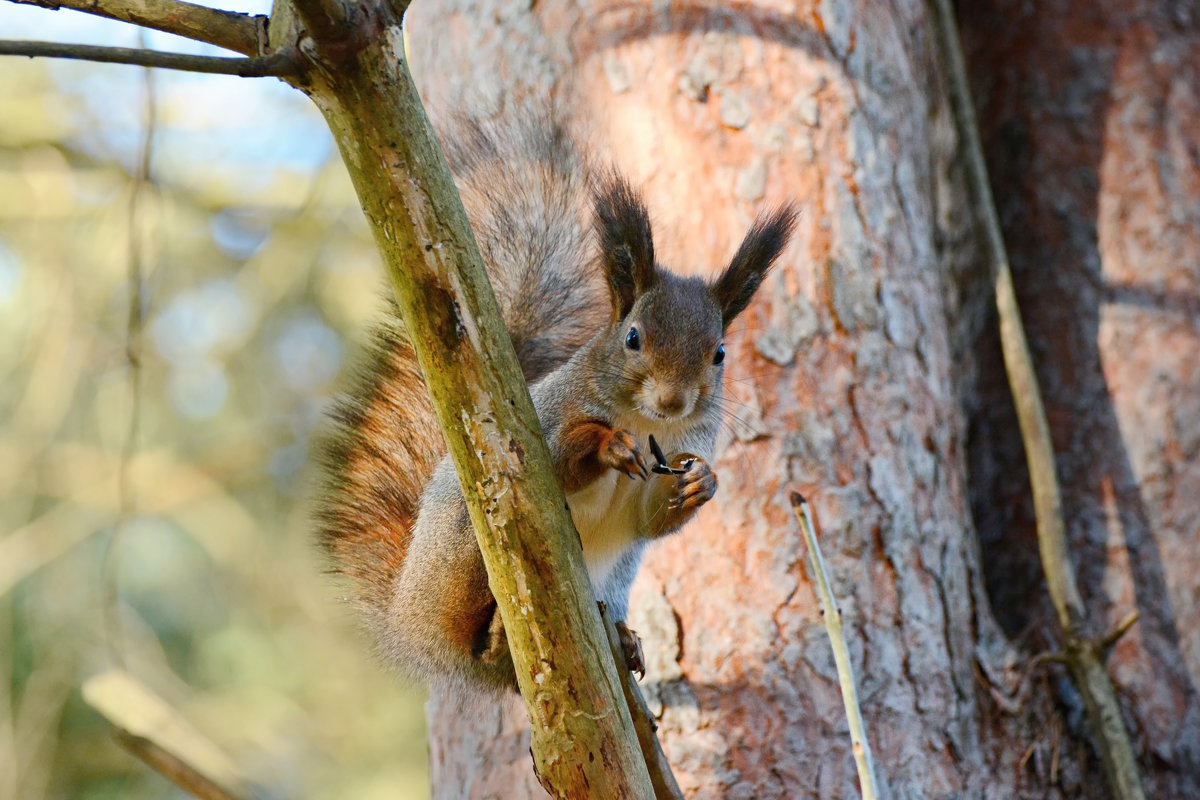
{"points": [[832, 615], [1110, 639]]}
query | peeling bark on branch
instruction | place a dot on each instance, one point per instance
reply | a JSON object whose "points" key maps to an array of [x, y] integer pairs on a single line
{"points": [[847, 376], [584, 743]]}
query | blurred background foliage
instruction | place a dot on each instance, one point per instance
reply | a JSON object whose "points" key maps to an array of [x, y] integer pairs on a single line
{"points": [[178, 545]]}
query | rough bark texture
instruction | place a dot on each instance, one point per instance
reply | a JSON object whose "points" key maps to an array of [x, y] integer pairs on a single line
{"points": [[1091, 118], [846, 383]]}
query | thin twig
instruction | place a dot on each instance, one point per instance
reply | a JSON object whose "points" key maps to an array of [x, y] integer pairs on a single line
{"points": [[156, 733], [665, 785], [841, 654], [134, 320], [1082, 655], [1101, 644], [277, 65], [241, 33], [1112, 637]]}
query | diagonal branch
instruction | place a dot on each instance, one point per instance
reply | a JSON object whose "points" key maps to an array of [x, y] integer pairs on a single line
{"points": [[278, 64], [1082, 654], [583, 739], [241, 33]]}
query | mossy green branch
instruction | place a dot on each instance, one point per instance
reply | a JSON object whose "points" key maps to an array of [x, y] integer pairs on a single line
{"points": [[584, 743], [349, 58]]}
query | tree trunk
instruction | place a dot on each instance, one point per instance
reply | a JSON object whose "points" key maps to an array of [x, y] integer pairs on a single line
{"points": [[845, 383], [1092, 126]]}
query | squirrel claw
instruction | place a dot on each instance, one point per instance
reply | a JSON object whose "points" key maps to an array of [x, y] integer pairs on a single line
{"points": [[621, 453], [631, 648], [695, 487]]}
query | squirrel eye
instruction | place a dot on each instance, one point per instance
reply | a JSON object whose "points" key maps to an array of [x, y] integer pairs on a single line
{"points": [[719, 356], [632, 340]]}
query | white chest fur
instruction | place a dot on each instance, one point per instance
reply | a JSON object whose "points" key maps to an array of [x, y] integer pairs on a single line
{"points": [[608, 515]]}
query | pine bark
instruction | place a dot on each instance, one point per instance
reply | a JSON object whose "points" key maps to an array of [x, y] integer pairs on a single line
{"points": [[841, 382], [1092, 126], [868, 376]]}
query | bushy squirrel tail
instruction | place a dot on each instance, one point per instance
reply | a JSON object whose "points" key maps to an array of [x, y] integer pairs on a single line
{"points": [[526, 189]]}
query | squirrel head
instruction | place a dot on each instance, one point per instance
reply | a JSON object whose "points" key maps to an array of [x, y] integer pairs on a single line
{"points": [[664, 355]]}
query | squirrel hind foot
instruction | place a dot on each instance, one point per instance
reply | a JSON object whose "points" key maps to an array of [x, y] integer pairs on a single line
{"points": [[631, 649], [490, 652], [491, 643]]}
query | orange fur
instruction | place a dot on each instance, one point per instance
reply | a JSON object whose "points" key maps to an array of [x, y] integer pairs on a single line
{"points": [[525, 189], [585, 442], [370, 506]]}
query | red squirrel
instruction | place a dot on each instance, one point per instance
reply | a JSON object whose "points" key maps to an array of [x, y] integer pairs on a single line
{"points": [[604, 377]]}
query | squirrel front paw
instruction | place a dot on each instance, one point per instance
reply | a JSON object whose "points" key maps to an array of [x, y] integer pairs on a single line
{"points": [[621, 452], [679, 495], [695, 487]]}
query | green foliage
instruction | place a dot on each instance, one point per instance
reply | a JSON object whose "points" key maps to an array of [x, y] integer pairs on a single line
{"points": [[259, 275]]}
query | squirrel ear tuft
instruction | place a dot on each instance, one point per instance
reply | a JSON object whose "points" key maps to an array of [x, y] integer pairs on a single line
{"points": [[626, 244], [757, 253]]}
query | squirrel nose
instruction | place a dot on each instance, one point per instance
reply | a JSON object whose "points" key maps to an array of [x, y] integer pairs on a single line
{"points": [[671, 404], [671, 401]]}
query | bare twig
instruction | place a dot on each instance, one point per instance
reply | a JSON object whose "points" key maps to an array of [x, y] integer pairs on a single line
{"points": [[110, 583], [841, 655], [665, 785], [278, 64], [241, 33], [1102, 644], [1112, 637], [1082, 653], [154, 732]]}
